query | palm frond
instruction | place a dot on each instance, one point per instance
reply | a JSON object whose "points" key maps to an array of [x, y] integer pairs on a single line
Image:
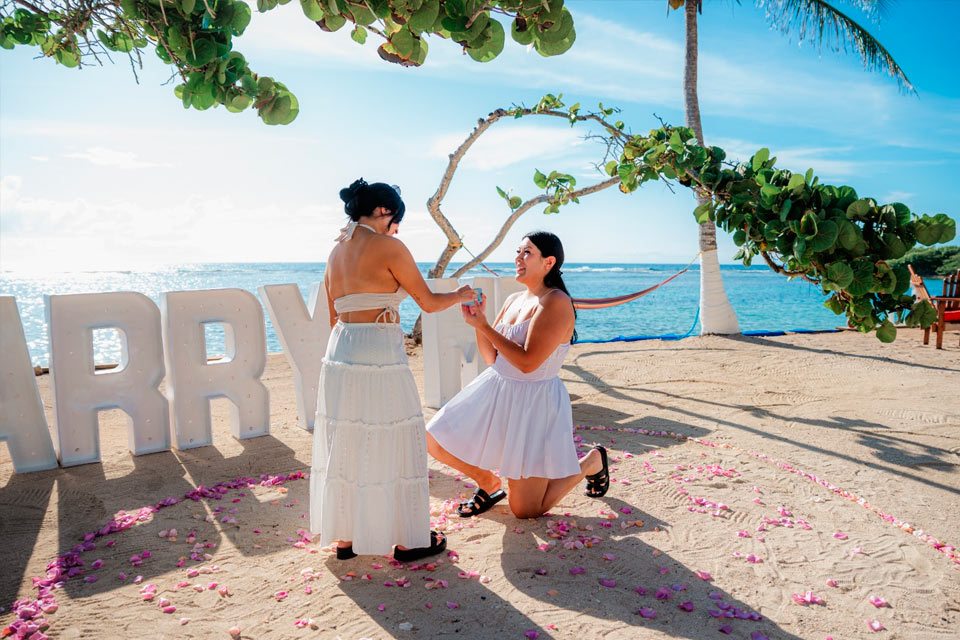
{"points": [[822, 24]]}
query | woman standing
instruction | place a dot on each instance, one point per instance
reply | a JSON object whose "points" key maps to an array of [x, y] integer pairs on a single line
{"points": [[368, 487], [516, 415]]}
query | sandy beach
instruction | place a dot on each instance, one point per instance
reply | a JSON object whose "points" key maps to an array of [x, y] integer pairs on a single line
{"points": [[749, 473]]}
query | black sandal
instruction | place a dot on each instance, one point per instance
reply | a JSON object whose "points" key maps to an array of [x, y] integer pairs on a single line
{"points": [[438, 542], [345, 553], [598, 483], [480, 502]]}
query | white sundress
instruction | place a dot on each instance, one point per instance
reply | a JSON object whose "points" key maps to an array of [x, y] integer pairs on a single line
{"points": [[519, 423], [368, 480]]}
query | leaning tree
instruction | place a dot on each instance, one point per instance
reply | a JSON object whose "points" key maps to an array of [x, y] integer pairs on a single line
{"points": [[824, 234]]}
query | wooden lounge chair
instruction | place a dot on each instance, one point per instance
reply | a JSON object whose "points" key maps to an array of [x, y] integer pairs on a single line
{"points": [[947, 305]]}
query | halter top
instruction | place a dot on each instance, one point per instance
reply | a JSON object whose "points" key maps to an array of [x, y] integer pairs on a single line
{"points": [[517, 333], [389, 302]]}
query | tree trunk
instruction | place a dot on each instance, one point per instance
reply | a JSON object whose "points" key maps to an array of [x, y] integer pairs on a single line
{"points": [[716, 313]]}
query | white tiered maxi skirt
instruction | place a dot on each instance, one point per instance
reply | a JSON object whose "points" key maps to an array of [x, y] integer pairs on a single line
{"points": [[369, 473]]}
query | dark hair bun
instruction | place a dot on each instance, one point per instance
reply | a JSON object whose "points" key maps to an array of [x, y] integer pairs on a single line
{"points": [[360, 199], [351, 192]]}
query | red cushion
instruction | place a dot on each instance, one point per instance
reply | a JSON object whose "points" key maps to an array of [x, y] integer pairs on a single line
{"points": [[952, 316]]}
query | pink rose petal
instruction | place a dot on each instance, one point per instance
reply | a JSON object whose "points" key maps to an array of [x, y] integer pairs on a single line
{"points": [[577, 570], [647, 612], [686, 606], [878, 602], [839, 535], [532, 634], [703, 575], [452, 605], [608, 583], [874, 625]]}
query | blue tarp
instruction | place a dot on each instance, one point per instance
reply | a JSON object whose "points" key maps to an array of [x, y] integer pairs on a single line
{"points": [[674, 336]]}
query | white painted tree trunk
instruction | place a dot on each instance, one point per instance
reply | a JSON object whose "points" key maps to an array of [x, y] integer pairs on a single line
{"points": [[716, 313]]}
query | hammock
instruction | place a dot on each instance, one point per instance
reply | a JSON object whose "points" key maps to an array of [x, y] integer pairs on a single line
{"points": [[603, 303]]}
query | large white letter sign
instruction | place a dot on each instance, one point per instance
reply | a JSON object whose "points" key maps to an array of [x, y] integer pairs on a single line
{"points": [[79, 392], [450, 356], [22, 422], [303, 335], [191, 382]]}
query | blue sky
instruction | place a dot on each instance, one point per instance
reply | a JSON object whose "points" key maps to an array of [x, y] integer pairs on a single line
{"points": [[99, 171]]}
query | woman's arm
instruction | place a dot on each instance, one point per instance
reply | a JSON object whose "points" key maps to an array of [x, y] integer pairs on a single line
{"points": [[549, 327], [487, 351], [404, 269], [330, 308]]}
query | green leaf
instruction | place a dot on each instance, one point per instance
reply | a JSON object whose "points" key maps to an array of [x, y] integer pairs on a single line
{"points": [[524, 37], [826, 236], [849, 235], [886, 332], [860, 210], [239, 103], [759, 159], [402, 41], [204, 50], [835, 304], [809, 176], [922, 315], [492, 48], [503, 194], [886, 278], [676, 142], [903, 213], [359, 34], [423, 19], [187, 6], [539, 179], [796, 183], [66, 57], [611, 168], [932, 230], [241, 18], [704, 212], [808, 225], [863, 281], [839, 276], [515, 202], [903, 280], [893, 246], [332, 22]]}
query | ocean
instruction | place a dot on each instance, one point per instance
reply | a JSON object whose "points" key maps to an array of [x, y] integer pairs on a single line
{"points": [[762, 299]]}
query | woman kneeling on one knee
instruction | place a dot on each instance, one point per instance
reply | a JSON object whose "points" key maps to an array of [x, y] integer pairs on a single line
{"points": [[516, 415]]}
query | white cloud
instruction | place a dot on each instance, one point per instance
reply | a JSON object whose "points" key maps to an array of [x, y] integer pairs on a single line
{"points": [[897, 196], [826, 162], [112, 158], [40, 158], [79, 233], [501, 147]]}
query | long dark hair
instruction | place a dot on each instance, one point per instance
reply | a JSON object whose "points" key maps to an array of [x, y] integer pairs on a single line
{"points": [[550, 246], [360, 199]]}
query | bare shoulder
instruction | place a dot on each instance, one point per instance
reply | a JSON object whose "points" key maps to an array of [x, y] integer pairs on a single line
{"points": [[388, 245], [556, 298], [557, 304]]}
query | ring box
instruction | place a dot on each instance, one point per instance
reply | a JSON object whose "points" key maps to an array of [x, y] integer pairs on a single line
{"points": [[477, 301]]}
